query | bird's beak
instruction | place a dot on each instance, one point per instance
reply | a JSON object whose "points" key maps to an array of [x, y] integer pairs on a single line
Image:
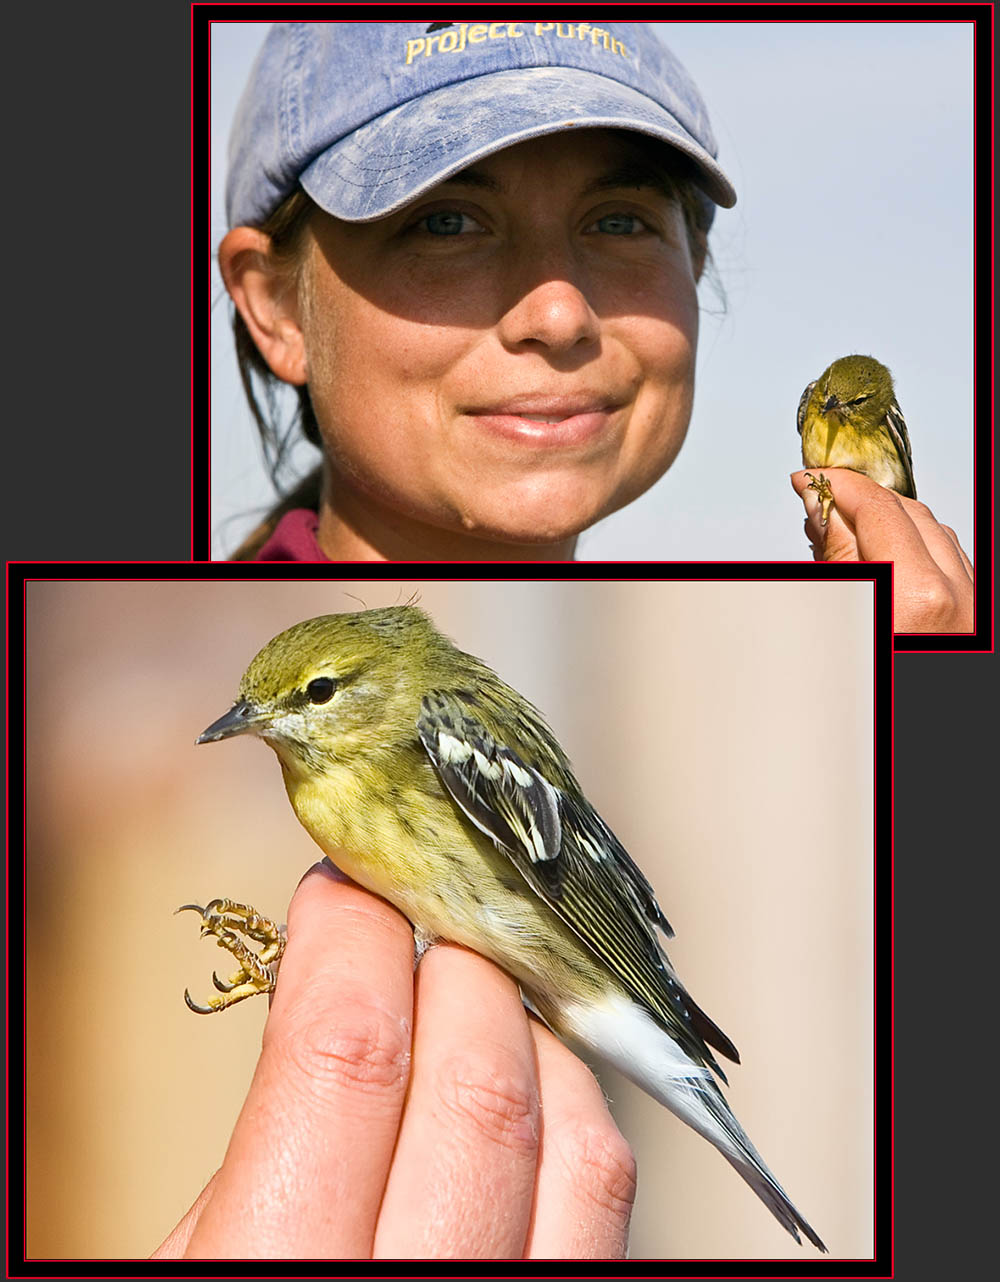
{"points": [[242, 718], [831, 404]]}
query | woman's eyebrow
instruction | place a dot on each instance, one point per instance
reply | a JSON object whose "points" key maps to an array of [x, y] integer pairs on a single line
{"points": [[632, 174], [472, 177]]}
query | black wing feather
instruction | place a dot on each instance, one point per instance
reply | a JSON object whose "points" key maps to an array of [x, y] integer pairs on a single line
{"points": [[800, 414], [568, 855], [901, 439]]}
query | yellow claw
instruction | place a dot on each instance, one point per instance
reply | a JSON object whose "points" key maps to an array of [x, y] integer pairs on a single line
{"points": [[257, 973], [823, 488], [199, 1010]]}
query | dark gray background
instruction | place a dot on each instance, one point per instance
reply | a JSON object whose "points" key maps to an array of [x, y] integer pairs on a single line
{"points": [[97, 429]]}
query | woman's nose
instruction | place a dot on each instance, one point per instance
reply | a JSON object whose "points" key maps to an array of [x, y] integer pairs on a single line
{"points": [[547, 305]]}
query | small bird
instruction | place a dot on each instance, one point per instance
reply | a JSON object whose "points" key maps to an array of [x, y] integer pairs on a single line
{"points": [[434, 784], [849, 417]]}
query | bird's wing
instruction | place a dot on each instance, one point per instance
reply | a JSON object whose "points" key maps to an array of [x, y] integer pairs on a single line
{"points": [[901, 439], [571, 859], [800, 415]]}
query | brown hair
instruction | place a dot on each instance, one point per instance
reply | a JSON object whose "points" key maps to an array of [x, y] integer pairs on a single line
{"points": [[286, 227]]}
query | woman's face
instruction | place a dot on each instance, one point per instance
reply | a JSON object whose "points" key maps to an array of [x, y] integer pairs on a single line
{"points": [[512, 355]]}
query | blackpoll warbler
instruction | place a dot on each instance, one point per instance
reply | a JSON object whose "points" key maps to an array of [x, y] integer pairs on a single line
{"points": [[431, 782], [849, 417]]}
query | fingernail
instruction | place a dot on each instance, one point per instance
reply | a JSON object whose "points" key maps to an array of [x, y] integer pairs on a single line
{"points": [[331, 869], [326, 868]]}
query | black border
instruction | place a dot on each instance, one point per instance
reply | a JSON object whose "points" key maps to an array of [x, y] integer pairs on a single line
{"points": [[981, 640], [811, 1265]]}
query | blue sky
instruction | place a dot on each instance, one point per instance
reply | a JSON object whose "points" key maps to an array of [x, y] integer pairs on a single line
{"points": [[850, 146]]}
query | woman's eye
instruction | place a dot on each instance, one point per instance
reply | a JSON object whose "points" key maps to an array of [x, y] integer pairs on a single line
{"points": [[449, 222], [619, 224]]}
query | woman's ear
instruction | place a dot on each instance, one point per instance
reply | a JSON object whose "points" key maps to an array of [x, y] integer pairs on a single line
{"points": [[267, 300]]}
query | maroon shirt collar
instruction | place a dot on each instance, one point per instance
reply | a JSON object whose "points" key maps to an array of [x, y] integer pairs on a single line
{"points": [[294, 538]]}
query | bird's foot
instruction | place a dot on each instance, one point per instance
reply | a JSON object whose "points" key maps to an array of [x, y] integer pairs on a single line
{"points": [[257, 972], [422, 940], [822, 487]]}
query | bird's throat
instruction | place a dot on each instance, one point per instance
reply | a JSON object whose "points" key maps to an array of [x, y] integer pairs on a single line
{"points": [[832, 425]]}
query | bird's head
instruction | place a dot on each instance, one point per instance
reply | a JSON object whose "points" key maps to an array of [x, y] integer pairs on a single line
{"points": [[332, 687], [856, 389]]}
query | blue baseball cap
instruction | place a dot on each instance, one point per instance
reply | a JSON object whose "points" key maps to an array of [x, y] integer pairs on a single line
{"points": [[369, 115]]}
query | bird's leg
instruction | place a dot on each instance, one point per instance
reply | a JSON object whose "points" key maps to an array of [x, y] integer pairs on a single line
{"points": [[822, 487], [257, 972], [422, 940]]}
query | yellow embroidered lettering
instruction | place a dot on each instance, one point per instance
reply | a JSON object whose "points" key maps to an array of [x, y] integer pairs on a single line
{"points": [[462, 34]]}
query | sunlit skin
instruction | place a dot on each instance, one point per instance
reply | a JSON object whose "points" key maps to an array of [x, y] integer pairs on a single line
{"points": [[555, 278]]}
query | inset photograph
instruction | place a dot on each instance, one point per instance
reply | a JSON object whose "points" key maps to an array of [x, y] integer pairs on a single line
{"points": [[584, 962], [624, 291]]}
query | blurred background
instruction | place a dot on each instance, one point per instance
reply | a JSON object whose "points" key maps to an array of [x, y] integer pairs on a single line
{"points": [[850, 147], [686, 709]]}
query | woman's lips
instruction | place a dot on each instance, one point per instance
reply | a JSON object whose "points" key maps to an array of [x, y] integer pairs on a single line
{"points": [[570, 426]]}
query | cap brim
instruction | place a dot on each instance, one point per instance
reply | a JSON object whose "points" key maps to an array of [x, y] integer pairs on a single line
{"points": [[392, 160]]}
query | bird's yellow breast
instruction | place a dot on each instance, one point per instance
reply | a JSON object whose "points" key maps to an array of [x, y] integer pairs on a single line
{"points": [[828, 441], [452, 881]]}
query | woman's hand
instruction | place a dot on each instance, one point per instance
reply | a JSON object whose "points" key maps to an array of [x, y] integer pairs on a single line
{"points": [[394, 1115], [934, 580]]}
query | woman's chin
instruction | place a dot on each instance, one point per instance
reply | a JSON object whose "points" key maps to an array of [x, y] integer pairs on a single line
{"points": [[541, 509], [532, 523]]}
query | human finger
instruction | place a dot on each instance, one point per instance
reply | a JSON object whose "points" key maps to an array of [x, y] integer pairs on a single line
{"points": [[961, 551], [308, 1159], [941, 542], [463, 1176], [832, 540], [175, 1243], [586, 1179], [932, 589], [882, 530], [931, 593]]}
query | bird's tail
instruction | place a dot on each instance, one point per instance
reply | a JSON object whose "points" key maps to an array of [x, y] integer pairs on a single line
{"points": [[710, 1115], [639, 1048]]}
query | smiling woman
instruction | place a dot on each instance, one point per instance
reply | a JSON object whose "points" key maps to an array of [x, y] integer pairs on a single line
{"points": [[478, 269], [536, 333]]}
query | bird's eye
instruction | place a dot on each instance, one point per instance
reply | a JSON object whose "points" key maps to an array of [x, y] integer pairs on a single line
{"points": [[321, 689], [858, 400]]}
